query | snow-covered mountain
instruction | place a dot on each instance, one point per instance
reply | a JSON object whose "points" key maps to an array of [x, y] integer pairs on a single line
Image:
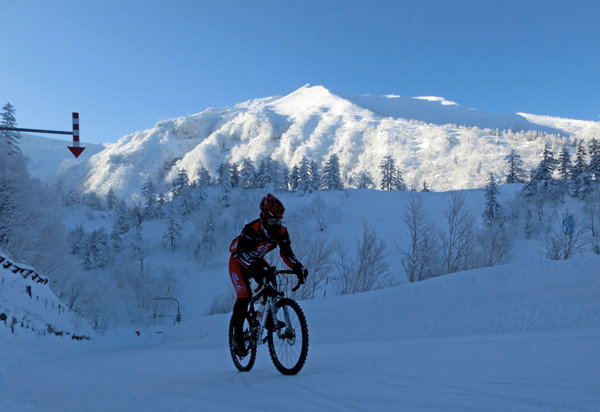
{"points": [[432, 140]]}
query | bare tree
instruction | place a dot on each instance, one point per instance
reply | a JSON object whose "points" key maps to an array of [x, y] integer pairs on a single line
{"points": [[317, 258], [567, 241], [458, 242], [495, 246], [368, 270], [417, 257], [345, 271]]}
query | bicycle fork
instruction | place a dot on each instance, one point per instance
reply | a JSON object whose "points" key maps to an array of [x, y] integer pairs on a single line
{"points": [[278, 326]]}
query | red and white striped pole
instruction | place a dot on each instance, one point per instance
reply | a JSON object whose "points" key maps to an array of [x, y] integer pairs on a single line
{"points": [[76, 149]]}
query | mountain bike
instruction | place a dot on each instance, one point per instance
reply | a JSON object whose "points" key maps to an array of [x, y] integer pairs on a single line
{"points": [[278, 321]]}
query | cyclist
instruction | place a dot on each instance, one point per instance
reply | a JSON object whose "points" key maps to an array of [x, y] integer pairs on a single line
{"points": [[247, 261]]}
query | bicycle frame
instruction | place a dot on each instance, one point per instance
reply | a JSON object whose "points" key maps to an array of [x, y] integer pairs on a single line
{"points": [[269, 291]]}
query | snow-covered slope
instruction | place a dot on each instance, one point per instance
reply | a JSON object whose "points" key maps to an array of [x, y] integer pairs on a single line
{"points": [[514, 338], [316, 122], [30, 307], [50, 156]]}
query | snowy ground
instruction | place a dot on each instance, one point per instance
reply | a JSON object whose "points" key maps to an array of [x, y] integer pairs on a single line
{"points": [[522, 337]]}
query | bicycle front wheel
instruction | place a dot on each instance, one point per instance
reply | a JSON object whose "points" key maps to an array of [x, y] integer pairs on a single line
{"points": [[288, 337], [243, 363]]}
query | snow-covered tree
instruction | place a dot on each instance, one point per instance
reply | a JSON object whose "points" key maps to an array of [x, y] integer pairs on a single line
{"points": [[138, 249], [92, 200], [491, 208], [458, 241], [391, 177], [10, 137], [181, 181], [269, 174], [541, 183], [564, 163], [580, 184], [294, 178], [315, 176], [150, 203], [111, 199], [173, 230], [516, 173], [99, 249], [204, 178], [362, 180], [594, 166], [284, 178], [547, 165], [121, 222], [247, 174], [304, 178], [331, 174], [234, 175], [420, 256]]}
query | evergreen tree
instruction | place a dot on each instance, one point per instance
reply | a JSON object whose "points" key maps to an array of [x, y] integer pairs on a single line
{"points": [[294, 178], [234, 175], [150, 203], [11, 137], [269, 174], [541, 183], [99, 248], [181, 181], [138, 249], [92, 200], [331, 173], [425, 188], [247, 174], [315, 176], [284, 183], [121, 223], [581, 164], [580, 178], [594, 166], [224, 176], [204, 178], [515, 168], [363, 180], [564, 163], [304, 181], [173, 230], [391, 177], [78, 240], [546, 167], [111, 200], [492, 207]]}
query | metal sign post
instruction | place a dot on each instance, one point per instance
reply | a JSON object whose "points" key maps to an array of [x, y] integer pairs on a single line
{"points": [[75, 149]]}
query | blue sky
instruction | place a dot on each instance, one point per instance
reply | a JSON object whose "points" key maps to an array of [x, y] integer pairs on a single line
{"points": [[126, 65]]}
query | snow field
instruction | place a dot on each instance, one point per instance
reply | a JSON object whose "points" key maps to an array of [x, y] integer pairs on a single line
{"points": [[519, 337]]}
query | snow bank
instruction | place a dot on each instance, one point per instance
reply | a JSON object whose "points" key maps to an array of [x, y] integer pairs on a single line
{"points": [[533, 296], [29, 307]]}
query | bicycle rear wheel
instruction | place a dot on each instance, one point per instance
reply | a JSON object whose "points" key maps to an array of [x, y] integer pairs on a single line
{"points": [[243, 363], [288, 337]]}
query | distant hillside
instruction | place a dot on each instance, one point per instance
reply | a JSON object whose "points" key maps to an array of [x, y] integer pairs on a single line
{"points": [[432, 140], [50, 156]]}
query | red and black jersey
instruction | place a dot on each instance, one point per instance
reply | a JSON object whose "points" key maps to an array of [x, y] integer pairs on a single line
{"points": [[255, 242]]}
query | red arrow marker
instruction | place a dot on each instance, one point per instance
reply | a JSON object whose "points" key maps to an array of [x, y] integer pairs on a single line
{"points": [[76, 149]]}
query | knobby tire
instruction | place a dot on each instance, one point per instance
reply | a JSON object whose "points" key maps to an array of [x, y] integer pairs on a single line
{"points": [[289, 351], [243, 364]]}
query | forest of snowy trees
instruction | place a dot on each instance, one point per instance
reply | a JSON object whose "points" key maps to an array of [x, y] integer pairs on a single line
{"points": [[191, 218]]}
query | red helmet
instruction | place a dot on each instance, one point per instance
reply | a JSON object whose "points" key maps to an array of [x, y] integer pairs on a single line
{"points": [[271, 207]]}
